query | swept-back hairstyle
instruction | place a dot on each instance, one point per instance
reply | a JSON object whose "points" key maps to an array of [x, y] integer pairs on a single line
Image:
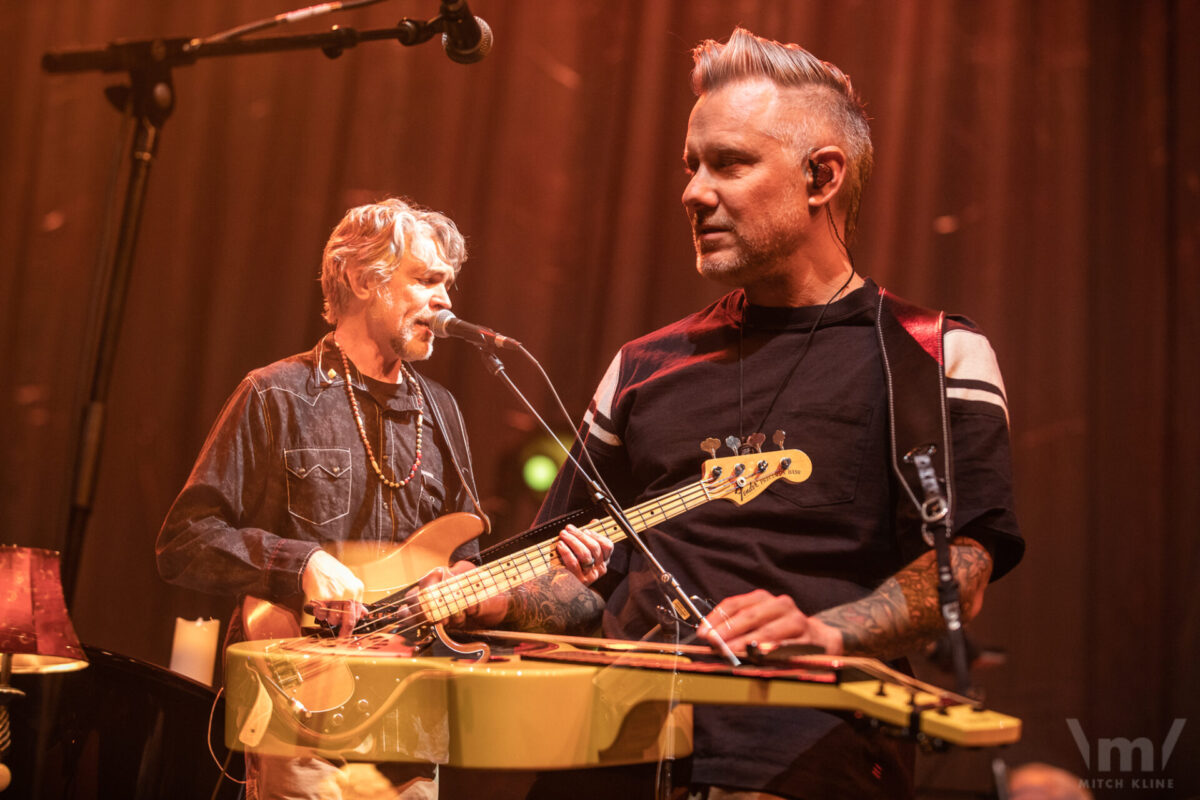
{"points": [[828, 97], [374, 238]]}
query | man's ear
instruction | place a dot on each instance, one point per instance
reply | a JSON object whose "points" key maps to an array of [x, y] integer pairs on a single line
{"points": [[356, 279], [826, 172]]}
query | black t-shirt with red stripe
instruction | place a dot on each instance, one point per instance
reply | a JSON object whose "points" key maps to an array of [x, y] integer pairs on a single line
{"points": [[737, 369]]}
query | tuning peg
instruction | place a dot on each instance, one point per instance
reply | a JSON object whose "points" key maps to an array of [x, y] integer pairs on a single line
{"points": [[778, 438], [710, 446], [733, 443], [756, 440]]}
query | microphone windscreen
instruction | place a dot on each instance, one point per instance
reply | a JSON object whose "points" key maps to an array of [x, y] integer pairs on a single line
{"points": [[440, 323], [476, 53]]}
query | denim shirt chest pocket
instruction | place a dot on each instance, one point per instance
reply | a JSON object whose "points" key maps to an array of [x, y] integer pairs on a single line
{"points": [[318, 483]]}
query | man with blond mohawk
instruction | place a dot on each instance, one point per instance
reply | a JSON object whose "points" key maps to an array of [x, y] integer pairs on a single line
{"points": [[778, 151]]}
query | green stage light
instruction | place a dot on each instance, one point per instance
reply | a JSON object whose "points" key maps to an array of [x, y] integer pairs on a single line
{"points": [[539, 471], [540, 459]]}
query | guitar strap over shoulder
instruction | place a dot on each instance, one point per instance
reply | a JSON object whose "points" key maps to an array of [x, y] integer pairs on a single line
{"points": [[912, 343], [456, 441]]}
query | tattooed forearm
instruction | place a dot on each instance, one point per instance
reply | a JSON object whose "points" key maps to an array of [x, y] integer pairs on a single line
{"points": [[554, 603], [903, 613]]}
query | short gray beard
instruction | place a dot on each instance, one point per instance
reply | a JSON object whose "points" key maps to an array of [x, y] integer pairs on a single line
{"points": [[747, 265]]}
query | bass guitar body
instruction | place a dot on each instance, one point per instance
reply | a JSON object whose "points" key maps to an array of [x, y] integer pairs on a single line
{"points": [[430, 547], [327, 686]]}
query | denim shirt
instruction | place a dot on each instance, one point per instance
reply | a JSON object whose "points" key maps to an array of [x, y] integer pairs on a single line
{"points": [[284, 472]]}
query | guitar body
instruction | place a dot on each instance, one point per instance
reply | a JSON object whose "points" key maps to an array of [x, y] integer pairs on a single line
{"points": [[429, 547], [327, 687]]}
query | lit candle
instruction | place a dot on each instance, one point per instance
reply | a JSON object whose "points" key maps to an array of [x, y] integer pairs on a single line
{"points": [[195, 648]]}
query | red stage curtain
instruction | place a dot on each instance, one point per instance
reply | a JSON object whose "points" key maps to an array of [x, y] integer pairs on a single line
{"points": [[1037, 170]]}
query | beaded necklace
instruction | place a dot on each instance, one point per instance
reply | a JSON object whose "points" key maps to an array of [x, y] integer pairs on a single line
{"points": [[362, 431]]}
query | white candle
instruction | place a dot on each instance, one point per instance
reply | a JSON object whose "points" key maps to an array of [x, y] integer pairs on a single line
{"points": [[195, 648]]}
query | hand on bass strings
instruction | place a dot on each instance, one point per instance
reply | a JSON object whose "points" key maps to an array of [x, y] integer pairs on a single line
{"points": [[764, 618], [333, 592], [584, 553]]}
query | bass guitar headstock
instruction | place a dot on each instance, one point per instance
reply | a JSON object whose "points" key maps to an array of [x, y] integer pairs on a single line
{"points": [[740, 478]]}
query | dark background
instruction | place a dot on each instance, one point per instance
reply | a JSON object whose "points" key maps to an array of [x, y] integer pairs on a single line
{"points": [[1038, 169]]}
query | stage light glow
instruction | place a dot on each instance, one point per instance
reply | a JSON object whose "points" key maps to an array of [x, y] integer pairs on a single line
{"points": [[539, 471]]}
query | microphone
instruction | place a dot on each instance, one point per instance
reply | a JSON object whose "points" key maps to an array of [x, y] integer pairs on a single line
{"points": [[467, 39], [444, 324]]}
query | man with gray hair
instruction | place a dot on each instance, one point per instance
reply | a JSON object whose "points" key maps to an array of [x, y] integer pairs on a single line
{"points": [[343, 443], [778, 151]]}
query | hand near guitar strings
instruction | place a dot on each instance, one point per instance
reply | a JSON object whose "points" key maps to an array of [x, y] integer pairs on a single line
{"points": [[334, 592], [584, 553], [763, 618]]}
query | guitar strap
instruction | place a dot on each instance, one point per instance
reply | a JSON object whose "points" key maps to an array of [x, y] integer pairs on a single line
{"points": [[456, 441], [912, 344], [540, 533]]}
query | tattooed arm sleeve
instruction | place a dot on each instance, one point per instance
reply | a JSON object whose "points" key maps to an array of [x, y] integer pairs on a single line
{"points": [[554, 603], [903, 613]]}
